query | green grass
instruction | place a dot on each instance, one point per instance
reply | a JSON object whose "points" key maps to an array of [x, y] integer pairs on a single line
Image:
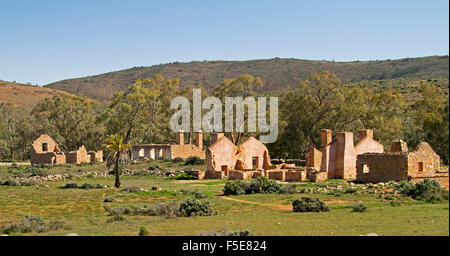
{"points": [[262, 214]]}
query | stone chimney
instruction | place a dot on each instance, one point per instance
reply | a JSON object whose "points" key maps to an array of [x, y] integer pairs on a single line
{"points": [[365, 133], [325, 137], [199, 139], [215, 137], [180, 137], [399, 146]]}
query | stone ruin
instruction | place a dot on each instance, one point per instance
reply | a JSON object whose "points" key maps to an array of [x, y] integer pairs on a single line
{"points": [[367, 161], [170, 151], [45, 150], [399, 164], [250, 159], [337, 158]]}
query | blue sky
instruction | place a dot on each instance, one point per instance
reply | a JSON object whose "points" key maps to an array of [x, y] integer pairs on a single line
{"points": [[43, 41]]}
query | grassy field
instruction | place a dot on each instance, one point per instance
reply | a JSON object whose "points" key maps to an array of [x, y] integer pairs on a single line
{"points": [[263, 214]]}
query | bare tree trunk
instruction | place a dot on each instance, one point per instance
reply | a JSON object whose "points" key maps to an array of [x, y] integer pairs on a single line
{"points": [[117, 171]]}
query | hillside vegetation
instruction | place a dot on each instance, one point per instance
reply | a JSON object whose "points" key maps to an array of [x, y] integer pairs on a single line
{"points": [[25, 95], [276, 73]]}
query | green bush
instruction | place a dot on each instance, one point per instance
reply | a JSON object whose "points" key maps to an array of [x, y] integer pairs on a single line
{"points": [[32, 224], [70, 185], [262, 185], [185, 176], [259, 185], [359, 207], [169, 210], [37, 172], [143, 231], [11, 182], [194, 160], [234, 187], [427, 190], [309, 204], [288, 189], [240, 233], [177, 160], [194, 207], [115, 218], [109, 199]]}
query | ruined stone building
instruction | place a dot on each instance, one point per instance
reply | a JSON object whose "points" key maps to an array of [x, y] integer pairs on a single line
{"points": [[45, 150], [79, 156], [248, 160], [399, 164], [170, 151], [336, 158]]}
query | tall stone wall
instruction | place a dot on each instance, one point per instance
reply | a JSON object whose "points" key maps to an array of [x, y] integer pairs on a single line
{"points": [[381, 167]]}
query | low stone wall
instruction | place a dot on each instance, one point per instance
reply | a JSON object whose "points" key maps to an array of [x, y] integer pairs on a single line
{"points": [[315, 175], [295, 175], [214, 174], [246, 175], [276, 175], [196, 173], [442, 179]]}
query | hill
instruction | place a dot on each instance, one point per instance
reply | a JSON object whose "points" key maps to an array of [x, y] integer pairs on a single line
{"points": [[25, 95], [276, 73]]}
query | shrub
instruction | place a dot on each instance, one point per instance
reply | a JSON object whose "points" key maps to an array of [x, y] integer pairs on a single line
{"points": [[115, 218], [109, 199], [234, 187], [351, 190], [185, 176], [226, 233], [37, 172], [309, 204], [427, 190], [177, 160], [170, 210], [194, 207], [199, 195], [259, 185], [11, 182], [359, 207], [143, 231], [70, 185], [194, 160], [153, 167], [288, 189], [262, 185], [32, 224], [240, 233]]}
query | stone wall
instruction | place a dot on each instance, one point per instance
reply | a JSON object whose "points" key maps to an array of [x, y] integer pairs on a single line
{"points": [[45, 150], [239, 175], [96, 156], [212, 174], [186, 150], [221, 153], [78, 157], [381, 167], [423, 162], [295, 175]]}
